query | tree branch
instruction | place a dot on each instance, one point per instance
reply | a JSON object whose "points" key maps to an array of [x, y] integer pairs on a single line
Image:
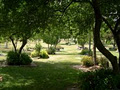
{"points": [[108, 24], [67, 6], [116, 25]]}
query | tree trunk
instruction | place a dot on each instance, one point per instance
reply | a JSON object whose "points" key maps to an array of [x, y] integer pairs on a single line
{"points": [[83, 46], [98, 43], [48, 46], [117, 39], [13, 44], [24, 42], [89, 42], [114, 44], [94, 48]]}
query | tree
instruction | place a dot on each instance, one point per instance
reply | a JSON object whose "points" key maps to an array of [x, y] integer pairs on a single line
{"points": [[99, 7], [82, 39], [22, 19], [101, 48]]}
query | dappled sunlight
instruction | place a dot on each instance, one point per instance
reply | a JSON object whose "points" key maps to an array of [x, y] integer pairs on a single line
{"points": [[10, 81], [46, 76]]}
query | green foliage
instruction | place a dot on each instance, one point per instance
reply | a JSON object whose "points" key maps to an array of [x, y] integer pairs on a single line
{"points": [[38, 47], [25, 59], [87, 61], [102, 79], [13, 58], [34, 54], [51, 50], [86, 52], [82, 39], [44, 54], [103, 62]]}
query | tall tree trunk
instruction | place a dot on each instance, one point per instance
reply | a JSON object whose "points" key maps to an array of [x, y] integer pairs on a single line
{"points": [[94, 48], [48, 46], [89, 43], [117, 39], [98, 43], [114, 44]]}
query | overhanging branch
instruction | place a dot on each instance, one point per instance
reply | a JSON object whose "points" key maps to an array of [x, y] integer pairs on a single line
{"points": [[117, 24], [67, 6], [108, 24]]}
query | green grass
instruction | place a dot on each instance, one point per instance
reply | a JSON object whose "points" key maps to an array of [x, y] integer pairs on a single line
{"points": [[47, 76], [55, 73]]}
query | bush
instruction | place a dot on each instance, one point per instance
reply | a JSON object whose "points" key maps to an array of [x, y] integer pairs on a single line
{"points": [[38, 47], [13, 58], [51, 50], [25, 59], [103, 62], [58, 47], [102, 79], [86, 52], [34, 54], [112, 49], [87, 61], [43, 54]]}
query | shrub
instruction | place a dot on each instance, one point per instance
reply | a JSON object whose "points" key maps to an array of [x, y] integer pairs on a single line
{"points": [[103, 62], [51, 50], [13, 58], [86, 52], [58, 47], [34, 54], [38, 47], [87, 61], [25, 59], [43, 54], [102, 79], [112, 49]]}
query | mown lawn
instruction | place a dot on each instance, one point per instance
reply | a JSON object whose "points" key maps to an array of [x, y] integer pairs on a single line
{"points": [[55, 73], [46, 76]]}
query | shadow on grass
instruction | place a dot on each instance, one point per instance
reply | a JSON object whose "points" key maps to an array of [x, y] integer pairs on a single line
{"points": [[46, 76]]}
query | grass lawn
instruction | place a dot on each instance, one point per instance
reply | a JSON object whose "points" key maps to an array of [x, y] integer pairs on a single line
{"points": [[55, 73]]}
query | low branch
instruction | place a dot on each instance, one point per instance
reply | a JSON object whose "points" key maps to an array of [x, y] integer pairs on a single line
{"points": [[67, 6], [13, 43], [117, 24], [108, 24]]}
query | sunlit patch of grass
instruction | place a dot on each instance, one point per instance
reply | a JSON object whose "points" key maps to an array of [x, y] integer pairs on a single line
{"points": [[47, 76]]}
